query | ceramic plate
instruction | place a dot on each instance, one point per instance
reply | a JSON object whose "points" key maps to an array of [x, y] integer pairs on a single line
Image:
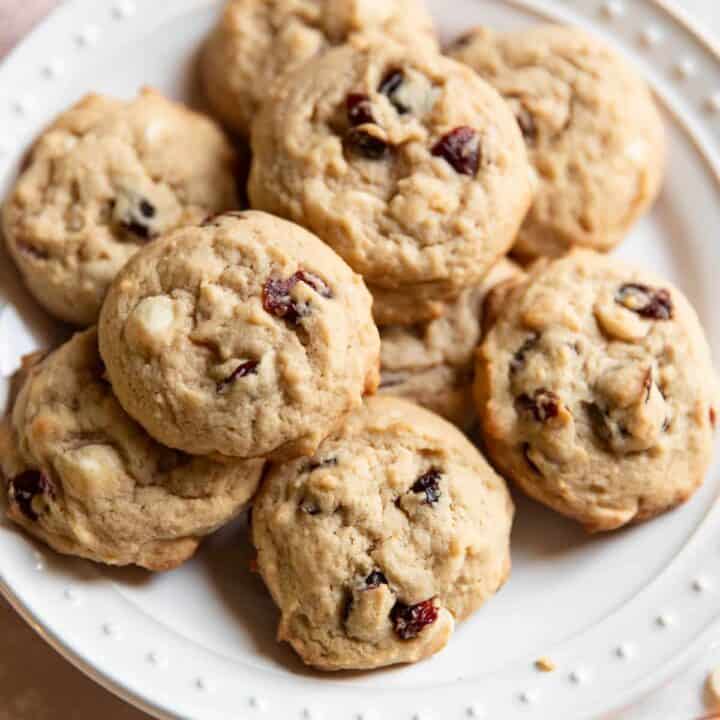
{"points": [[617, 614]]}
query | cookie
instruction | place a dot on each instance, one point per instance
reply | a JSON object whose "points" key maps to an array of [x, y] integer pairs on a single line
{"points": [[373, 549], [596, 391], [104, 179], [87, 480], [246, 336], [432, 363], [404, 306], [406, 163], [593, 133], [257, 41]]}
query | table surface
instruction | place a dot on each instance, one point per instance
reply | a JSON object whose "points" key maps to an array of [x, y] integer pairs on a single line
{"points": [[37, 684]]}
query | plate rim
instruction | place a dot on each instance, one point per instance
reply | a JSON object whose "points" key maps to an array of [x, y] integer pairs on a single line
{"points": [[693, 123]]}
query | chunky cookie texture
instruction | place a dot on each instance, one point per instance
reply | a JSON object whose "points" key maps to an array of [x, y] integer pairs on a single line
{"points": [[83, 477], [405, 162], [432, 363], [107, 177], [397, 529], [592, 131], [257, 41], [596, 391], [246, 336]]}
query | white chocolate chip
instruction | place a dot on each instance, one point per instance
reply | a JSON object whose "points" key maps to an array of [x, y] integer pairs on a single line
{"points": [[151, 324]]}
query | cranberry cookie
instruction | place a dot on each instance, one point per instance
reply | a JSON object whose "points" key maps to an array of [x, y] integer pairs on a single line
{"points": [[432, 363], [246, 336], [396, 529], [592, 130], [257, 41], [104, 179], [86, 479], [596, 391], [406, 163]]}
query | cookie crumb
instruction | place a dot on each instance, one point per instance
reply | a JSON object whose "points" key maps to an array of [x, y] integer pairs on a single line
{"points": [[545, 664], [713, 687]]}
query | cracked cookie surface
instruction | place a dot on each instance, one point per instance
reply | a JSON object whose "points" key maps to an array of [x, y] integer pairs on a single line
{"points": [[102, 181], [86, 479], [432, 363], [396, 529], [245, 336], [596, 391], [256, 41], [405, 162], [593, 132]]}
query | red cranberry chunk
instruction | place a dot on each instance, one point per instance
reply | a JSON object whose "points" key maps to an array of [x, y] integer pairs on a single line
{"points": [[648, 302], [360, 142], [359, 109], [544, 404], [25, 487], [461, 149], [410, 620], [247, 368], [390, 85], [375, 579], [278, 301], [429, 483]]}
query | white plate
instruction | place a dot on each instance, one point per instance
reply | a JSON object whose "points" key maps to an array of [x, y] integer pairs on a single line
{"points": [[616, 613]]}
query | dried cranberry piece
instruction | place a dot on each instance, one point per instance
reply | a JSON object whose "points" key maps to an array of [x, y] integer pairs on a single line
{"points": [[278, 301], [361, 142], [461, 149], [713, 417], [359, 109], [648, 302], [247, 368], [390, 85], [429, 483], [25, 487], [518, 359], [410, 620], [375, 579], [544, 404]]}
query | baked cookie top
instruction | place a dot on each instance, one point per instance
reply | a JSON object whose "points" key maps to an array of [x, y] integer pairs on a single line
{"points": [[593, 132], [373, 548], [405, 162], [256, 41], [596, 391], [105, 178], [246, 336], [432, 363], [86, 479]]}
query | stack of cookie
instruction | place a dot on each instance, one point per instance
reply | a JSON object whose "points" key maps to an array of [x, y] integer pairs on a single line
{"points": [[460, 202]]}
